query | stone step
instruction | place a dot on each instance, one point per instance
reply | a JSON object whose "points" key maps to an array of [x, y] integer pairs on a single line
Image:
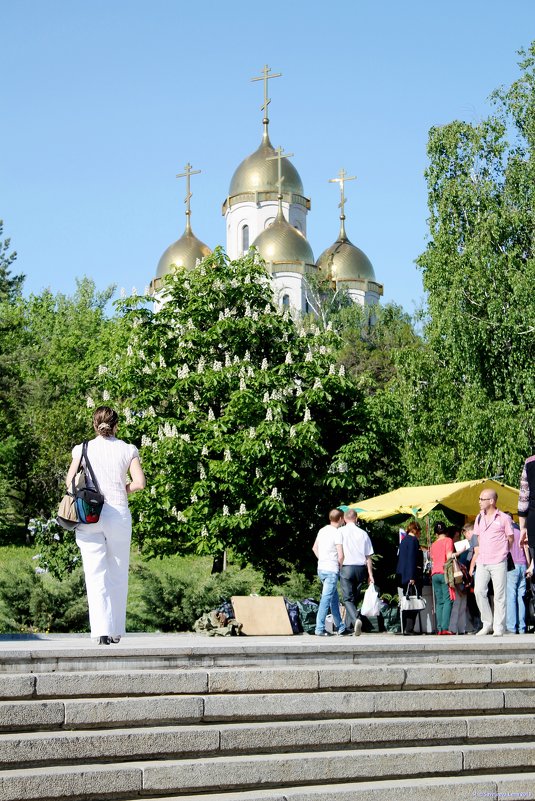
{"points": [[92, 781], [253, 680], [33, 749], [65, 653], [89, 713], [506, 787]]}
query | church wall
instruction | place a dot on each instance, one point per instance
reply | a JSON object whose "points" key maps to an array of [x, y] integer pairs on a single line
{"points": [[258, 217]]}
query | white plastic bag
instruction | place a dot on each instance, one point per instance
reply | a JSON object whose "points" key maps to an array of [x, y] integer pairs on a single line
{"points": [[371, 603]]}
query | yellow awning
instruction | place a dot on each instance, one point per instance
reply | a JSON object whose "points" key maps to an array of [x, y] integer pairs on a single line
{"points": [[461, 497]]}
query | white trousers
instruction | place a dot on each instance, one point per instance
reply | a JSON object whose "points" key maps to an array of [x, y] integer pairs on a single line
{"points": [[498, 574], [105, 548]]}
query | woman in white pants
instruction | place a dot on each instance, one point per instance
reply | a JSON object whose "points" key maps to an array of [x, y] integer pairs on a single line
{"points": [[105, 546]]}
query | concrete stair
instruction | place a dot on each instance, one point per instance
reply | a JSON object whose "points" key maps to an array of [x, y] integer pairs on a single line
{"points": [[373, 718]]}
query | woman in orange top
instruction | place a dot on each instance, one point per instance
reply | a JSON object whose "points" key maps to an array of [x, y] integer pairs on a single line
{"points": [[440, 551]]}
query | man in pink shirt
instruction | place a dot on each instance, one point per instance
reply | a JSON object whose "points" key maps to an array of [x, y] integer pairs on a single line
{"points": [[494, 531]]}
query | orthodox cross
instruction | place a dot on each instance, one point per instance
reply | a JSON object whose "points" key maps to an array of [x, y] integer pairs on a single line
{"points": [[266, 76], [279, 157], [342, 178], [186, 174]]}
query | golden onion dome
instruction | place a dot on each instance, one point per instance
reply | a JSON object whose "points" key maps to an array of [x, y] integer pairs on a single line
{"points": [[257, 174], [282, 244], [183, 253], [344, 261]]}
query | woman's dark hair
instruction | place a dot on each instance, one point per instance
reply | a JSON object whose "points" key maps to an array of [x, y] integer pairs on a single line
{"points": [[105, 420], [413, 527]]}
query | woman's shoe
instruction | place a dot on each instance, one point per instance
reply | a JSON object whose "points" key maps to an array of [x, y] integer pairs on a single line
{"points": [[104, 640], [115, 639]]}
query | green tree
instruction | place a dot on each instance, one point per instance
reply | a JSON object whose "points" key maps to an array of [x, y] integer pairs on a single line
{"points": [[469, 393], [241, 414], [11, 442], [63, 342]]}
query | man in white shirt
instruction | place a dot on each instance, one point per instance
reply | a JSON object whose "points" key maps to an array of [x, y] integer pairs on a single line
{"points": [[328, 549], [356, 567]]}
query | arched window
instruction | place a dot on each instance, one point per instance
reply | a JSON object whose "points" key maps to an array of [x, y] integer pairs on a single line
{"points": [[286, 301], [245, 238]]}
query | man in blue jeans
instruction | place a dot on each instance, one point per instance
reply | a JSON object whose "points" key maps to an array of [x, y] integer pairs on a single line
{"points": [[330, 555]]}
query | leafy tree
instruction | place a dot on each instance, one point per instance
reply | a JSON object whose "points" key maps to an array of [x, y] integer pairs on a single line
{"points": [[62, 340], [242, 416], [11, 442], [469, 393]]}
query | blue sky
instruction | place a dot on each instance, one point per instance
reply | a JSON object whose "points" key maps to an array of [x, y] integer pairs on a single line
{"points": [[103, 103]]}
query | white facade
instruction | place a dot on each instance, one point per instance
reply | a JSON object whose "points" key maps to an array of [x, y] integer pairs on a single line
{"points": [[247, 219]]}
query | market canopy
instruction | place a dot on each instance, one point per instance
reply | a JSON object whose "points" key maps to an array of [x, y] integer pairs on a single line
{"points": [[461, 497]]}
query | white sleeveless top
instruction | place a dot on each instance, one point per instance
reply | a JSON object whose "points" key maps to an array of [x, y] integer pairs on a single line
{"points": [[110, 459]]}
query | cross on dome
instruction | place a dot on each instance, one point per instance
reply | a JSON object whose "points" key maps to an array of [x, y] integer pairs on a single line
{"points": [[280, 177], [266, 76], [343, 177], [188, 171]]}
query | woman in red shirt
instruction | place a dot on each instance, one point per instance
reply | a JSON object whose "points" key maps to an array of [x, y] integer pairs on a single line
{"points": [[440, 551]]}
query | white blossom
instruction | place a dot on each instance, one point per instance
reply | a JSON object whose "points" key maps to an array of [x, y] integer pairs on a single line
{"points": [[185, 437], [102, 369], [317, 384], [141, 354], [308, 356], [146, 369], [292, 431], [288, 359], [228, 360], [193, 498], [332, 369], [255, 316], [146, 290], [267, 309], [128, 415], [211, 415], [243, 385], [200, 365], [323, 350], [202, 473], [225, 510], [247, 357], [134, 291], [122, 293], [181, 517], [217, 367], [151, 412], [90, 403], [307, 418], [265, 399], [153, 366], [274, 492], [342, 371], [252, 432], [191, 406], [298, 390], [264, 365], [228, 457], [269, 414], [129, 351], [153, 490], [204, 532], [247, 310], [204, 451], [243, 510], [196, 396], [268, 444], [145, 443], [258, 473], [162, 361]]}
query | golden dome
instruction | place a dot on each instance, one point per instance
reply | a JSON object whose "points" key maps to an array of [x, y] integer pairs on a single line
{"points": [[183, 253], [257, 174], [282, 244], [344, 261]]}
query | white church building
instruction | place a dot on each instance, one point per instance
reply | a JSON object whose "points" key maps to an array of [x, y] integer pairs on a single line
{"points": [[266, 208]]}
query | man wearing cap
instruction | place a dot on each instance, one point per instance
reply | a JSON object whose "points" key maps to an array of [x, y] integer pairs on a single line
{"points": [[330, 555], [494, 531], [356, 568]]}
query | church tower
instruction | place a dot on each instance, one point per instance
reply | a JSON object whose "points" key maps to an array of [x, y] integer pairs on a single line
{"points": [[344, 264], [186, 251]]}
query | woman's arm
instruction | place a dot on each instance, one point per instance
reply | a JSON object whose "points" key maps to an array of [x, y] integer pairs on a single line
{"points": [[72, 471], [137, 475]]}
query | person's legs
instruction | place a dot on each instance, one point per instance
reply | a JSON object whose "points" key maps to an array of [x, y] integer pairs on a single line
{"points": [[117, 525], [499, 582], [92, 543], [437, 580], [481, 592], [521, 606], [513, 577], [347, 584], [329, 582]]}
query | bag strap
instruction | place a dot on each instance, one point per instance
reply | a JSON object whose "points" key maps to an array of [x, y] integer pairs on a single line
{"points": [[408, 594], [72, 492], [85, 458]]}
